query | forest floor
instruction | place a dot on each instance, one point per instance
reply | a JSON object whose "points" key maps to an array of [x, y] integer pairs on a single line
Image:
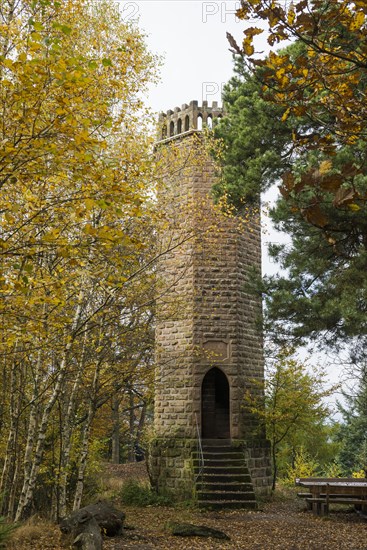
{"points": [[282, 523]]}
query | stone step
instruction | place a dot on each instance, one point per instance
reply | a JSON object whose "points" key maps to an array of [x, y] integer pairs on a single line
{"points": [[224, 478], [216, 442], [224, 469], [229, 486], [220, 462], [228, 504], [221, 449], [225, 495], [235, 455]]}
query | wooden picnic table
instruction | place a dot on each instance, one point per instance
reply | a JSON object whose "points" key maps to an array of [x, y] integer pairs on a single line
{"points": [[324, 491]]}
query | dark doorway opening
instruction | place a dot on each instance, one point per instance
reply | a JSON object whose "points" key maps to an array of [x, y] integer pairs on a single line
{"points": [[215, 405]]}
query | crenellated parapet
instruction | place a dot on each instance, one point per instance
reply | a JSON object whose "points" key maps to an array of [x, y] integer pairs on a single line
{"points": [[188, 117]]}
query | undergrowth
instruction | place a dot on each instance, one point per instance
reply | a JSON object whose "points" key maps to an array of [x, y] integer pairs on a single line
{"points": [[135, 493], [6, 530], [33, 533]]}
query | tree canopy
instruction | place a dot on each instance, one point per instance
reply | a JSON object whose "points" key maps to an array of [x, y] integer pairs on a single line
{"points": [[76, 237], [323, 80], [328, 79], [321, 169], [294, 405]]}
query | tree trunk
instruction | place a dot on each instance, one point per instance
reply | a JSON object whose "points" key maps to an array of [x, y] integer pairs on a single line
{"points": [[32, 424], [29, 483], [85, 439], [14, 486], [275, 466], [141, 423], [83, 461], [7, 475], [115, 439], [66, 437], [33, 465], [131, 427]]}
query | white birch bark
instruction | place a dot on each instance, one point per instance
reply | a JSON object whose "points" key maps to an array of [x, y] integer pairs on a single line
{"points": [[13, 490], [85, 439], [29, 483], [33, 420], [67, 430]]}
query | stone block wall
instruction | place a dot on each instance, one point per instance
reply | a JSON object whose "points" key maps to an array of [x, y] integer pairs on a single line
{"points": [[171, 466], [257, 455], [173, 415], [206, 316], [172, 472], [226, 315]]}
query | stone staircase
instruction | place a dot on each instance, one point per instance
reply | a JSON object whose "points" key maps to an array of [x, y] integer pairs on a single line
{"points": [[224, 481]]}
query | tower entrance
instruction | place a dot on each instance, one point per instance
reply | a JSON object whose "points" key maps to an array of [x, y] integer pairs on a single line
{"points": [[215, 405]]}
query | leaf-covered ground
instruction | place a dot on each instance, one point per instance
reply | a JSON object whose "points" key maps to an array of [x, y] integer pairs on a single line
{"points": [[282, 523]]}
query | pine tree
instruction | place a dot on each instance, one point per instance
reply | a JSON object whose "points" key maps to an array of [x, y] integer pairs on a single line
{"points": [[352, 433], [323, 294]]}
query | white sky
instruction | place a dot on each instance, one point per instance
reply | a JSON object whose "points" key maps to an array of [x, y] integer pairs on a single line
{"points": [[190, 35]]}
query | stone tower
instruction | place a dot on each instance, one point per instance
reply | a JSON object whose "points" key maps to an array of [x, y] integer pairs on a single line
{"points": [[209, 348]]}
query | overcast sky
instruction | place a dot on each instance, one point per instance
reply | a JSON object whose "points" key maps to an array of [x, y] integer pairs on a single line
{"points": [[190, 36]]}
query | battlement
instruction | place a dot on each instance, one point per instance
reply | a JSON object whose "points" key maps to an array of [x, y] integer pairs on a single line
{"points": [[189, 117]]}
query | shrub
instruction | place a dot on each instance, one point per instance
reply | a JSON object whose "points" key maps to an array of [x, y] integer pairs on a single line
{"points": [[304, 466], [359, 475], [134, 493], [6, 530], [332, 470]]}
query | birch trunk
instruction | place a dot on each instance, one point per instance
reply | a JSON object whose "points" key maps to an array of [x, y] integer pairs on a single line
{"points": [[85, 439], [66, 435], [83, 461], [6, 476], [29, 483], [32, 424], [32, 466], [14, 485]]}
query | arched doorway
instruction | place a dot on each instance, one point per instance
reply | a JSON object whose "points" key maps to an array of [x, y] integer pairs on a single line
{"points": [[215, 405]]}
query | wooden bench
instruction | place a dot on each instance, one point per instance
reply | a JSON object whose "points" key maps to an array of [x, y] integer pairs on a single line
{"points": [[320, 505], [302, 480], [326, 491], [304, 495], [315, 504]]}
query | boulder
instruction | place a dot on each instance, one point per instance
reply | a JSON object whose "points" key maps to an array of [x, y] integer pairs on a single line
{"points": [[86, 541], [109, 519], [86, 533], [190, 530]]}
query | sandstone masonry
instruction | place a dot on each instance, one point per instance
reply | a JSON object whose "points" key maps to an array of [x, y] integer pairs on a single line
{"points": [[209, 348]]}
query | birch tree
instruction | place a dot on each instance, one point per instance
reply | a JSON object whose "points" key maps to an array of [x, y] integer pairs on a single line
{"points": [[76, 208]]}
